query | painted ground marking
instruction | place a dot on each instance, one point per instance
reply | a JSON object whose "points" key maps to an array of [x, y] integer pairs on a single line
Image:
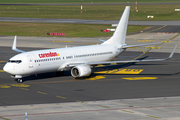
{"points": [[122, 71], [145, 40], [159, 28], [152, 47], [140, 78], [127, 111], [24, 89], [153, 116], [20, 85], [167, 41], [61, 97], [3, 61], [4, 118], [100, 66], [103, 106], [4, 86], [42, 93], [95, 78]]}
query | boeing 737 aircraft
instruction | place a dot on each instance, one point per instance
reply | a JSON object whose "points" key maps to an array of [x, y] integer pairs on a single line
{"points": [[80, 60]]}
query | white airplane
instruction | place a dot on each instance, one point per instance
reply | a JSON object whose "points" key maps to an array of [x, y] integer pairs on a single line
{"points": [[80, 60]]}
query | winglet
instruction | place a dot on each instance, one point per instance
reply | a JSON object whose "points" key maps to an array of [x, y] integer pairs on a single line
{"points": [[14, 46], [14, 43], [172, 53], [101, 40]]}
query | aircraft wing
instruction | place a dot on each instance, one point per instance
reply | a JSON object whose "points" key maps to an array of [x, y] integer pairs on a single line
{"points": [[14, 46], [128, 46], [126, 61]]}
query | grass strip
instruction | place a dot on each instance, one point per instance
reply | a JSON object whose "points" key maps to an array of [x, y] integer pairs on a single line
{"points": [[101, 12], [78, 1], [70, 30]]}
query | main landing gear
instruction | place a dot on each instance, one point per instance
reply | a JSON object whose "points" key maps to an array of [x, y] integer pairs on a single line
{"points": [[60, 73]]}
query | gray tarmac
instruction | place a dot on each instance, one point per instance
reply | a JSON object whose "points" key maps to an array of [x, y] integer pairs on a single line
{"points": [[148, 90], [166, 41], [123, 109], [80, 21]]}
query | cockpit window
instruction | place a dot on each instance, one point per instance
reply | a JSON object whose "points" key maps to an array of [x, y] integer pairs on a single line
{"points": [[15, 61]]}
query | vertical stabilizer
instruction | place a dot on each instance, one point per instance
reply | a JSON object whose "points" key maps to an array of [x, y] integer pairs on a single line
{"points": [[119, 35]]}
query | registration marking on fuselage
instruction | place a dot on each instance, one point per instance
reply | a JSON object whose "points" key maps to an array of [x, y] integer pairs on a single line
{"points": [[121, 71], [140, 78]]}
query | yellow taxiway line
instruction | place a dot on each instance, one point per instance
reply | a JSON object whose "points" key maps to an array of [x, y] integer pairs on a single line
{"points": [[140, 78], [122, 71]]}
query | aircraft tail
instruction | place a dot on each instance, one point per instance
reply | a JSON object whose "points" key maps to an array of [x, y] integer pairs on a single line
{"points": [[119, 35]]}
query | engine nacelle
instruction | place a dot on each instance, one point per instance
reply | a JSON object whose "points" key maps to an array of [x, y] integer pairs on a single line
{"points": [[81, 71]]}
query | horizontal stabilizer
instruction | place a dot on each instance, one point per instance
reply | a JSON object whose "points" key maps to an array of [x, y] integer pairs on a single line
{"points": [[129, 46]]}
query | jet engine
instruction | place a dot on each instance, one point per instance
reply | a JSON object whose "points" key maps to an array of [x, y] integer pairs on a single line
{"points": [[81, 71]]}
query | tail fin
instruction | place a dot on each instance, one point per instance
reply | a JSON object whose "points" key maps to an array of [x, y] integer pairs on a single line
{"points": [[119, 35]]}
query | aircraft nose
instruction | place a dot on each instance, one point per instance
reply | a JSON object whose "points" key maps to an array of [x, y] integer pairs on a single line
{"points": [[6, 68]]}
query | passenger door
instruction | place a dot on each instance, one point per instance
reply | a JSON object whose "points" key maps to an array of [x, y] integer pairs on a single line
{"points": [[30, 59]]}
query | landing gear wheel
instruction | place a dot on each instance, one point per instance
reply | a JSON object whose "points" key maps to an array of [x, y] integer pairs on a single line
{"points": [[19, 80]]}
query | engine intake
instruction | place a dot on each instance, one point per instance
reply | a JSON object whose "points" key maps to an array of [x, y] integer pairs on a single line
{"points": [[81, 71]]}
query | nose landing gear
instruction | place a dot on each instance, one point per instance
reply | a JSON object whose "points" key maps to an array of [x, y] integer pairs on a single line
{"points": [[19, 80]]}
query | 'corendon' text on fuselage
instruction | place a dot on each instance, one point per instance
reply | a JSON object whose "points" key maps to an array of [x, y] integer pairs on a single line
{"points": [[50, 54]]}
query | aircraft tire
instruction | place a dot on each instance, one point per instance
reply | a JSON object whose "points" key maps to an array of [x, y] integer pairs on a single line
{"points": [[19, 80]]}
